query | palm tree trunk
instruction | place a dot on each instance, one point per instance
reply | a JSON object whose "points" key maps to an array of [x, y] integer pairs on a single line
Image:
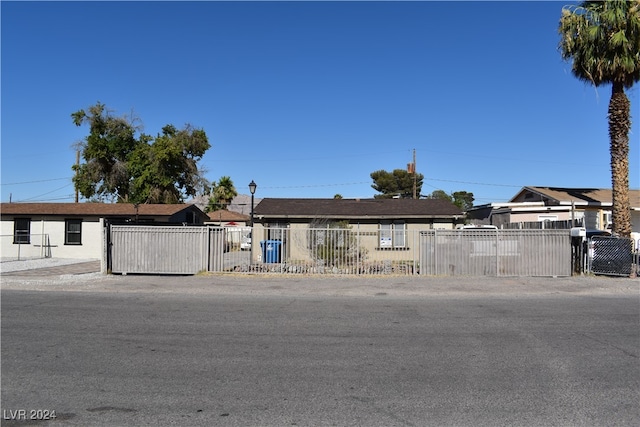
{"points": [[619, 126]]}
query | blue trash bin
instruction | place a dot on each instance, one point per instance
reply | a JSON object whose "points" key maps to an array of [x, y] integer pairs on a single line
{"points": [[270, 250]]}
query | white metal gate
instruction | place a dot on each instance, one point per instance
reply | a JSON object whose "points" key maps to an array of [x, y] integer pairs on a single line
{"points": [[495, 252], [164, 249]]}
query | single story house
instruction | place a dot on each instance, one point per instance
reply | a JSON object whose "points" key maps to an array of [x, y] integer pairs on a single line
{"points": [[381, 224], [237, 227], [227, 218], [76, 230], [591, 206]]}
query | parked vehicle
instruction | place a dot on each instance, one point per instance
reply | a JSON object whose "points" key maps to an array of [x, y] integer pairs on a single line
{"points": [[245, 244], [591, 233]]}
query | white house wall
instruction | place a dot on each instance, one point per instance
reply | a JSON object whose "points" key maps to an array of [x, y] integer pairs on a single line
{"points": [[90, 247]]}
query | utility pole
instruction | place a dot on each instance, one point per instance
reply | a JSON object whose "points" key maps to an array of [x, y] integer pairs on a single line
{"points": [[415, 176], [77, 166]]}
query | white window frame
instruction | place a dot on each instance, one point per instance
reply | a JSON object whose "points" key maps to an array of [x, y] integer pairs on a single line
{"points": [[393, 235]]}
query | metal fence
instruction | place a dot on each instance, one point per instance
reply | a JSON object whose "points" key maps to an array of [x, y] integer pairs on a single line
{"points": [[468, 252], [336, 251], [435, 252], [612, 256], [24, 246], [496, 252], [162, 250]]}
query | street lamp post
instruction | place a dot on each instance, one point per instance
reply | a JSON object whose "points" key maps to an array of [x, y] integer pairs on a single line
{"points": [[252, 190]]}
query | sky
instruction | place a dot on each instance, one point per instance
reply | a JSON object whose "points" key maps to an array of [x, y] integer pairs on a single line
{"points": [[307, 99]]}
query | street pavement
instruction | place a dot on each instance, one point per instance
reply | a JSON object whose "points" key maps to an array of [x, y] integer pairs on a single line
{"points": [[235, 350]]}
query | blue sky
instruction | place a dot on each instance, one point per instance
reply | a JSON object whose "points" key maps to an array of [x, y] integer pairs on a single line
{"points": [[309, 98]]}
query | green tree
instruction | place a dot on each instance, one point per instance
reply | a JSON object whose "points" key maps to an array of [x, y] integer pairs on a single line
{"points": [[462, 199], [222, 193], [440, 194], [120, 167], [106, 151], [396, 183], [166, 171], [602, 39]]}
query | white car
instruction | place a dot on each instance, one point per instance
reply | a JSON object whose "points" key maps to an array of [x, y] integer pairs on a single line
{"points": [[245, 244]]}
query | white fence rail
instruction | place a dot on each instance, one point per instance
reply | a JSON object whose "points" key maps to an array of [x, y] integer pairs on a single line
{"points": [[24, 246]]}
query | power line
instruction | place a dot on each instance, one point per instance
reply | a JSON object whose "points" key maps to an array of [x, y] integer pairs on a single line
{"points": [[34, 182], [475, 183], [68, 197], [44, 194], [317, 185]]}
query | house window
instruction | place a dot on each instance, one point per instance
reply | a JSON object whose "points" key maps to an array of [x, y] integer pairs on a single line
{"points": [[392, 235], [606, 220], [73, 232], [191, 217], [277, 230], [22, 230]]}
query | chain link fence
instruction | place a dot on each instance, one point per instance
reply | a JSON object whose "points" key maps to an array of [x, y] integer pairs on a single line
{"points": [[612, 256]]}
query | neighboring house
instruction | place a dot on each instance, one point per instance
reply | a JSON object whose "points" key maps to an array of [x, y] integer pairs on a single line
{"points": [[386, 223], [591, 206], [227, 218], [409, 214], [237, 227], [76, 230]]}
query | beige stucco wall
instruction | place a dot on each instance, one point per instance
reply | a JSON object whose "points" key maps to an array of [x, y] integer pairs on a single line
{"points": [[91, 247], [367, 237]]}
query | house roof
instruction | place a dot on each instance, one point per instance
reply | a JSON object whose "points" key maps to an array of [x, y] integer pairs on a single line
{"points": [[92, 209], [356, 208], [225, 215], [589, 196]]}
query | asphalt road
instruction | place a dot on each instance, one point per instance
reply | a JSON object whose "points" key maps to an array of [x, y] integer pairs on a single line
{"points": [[144, 358]]}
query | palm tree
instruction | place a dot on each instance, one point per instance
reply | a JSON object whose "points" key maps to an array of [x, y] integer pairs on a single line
{"points": [[603, 41], [222, 193], [225, 191]]}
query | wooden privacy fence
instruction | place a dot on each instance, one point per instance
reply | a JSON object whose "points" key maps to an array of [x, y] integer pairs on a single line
{"points": [[475, 252]]}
